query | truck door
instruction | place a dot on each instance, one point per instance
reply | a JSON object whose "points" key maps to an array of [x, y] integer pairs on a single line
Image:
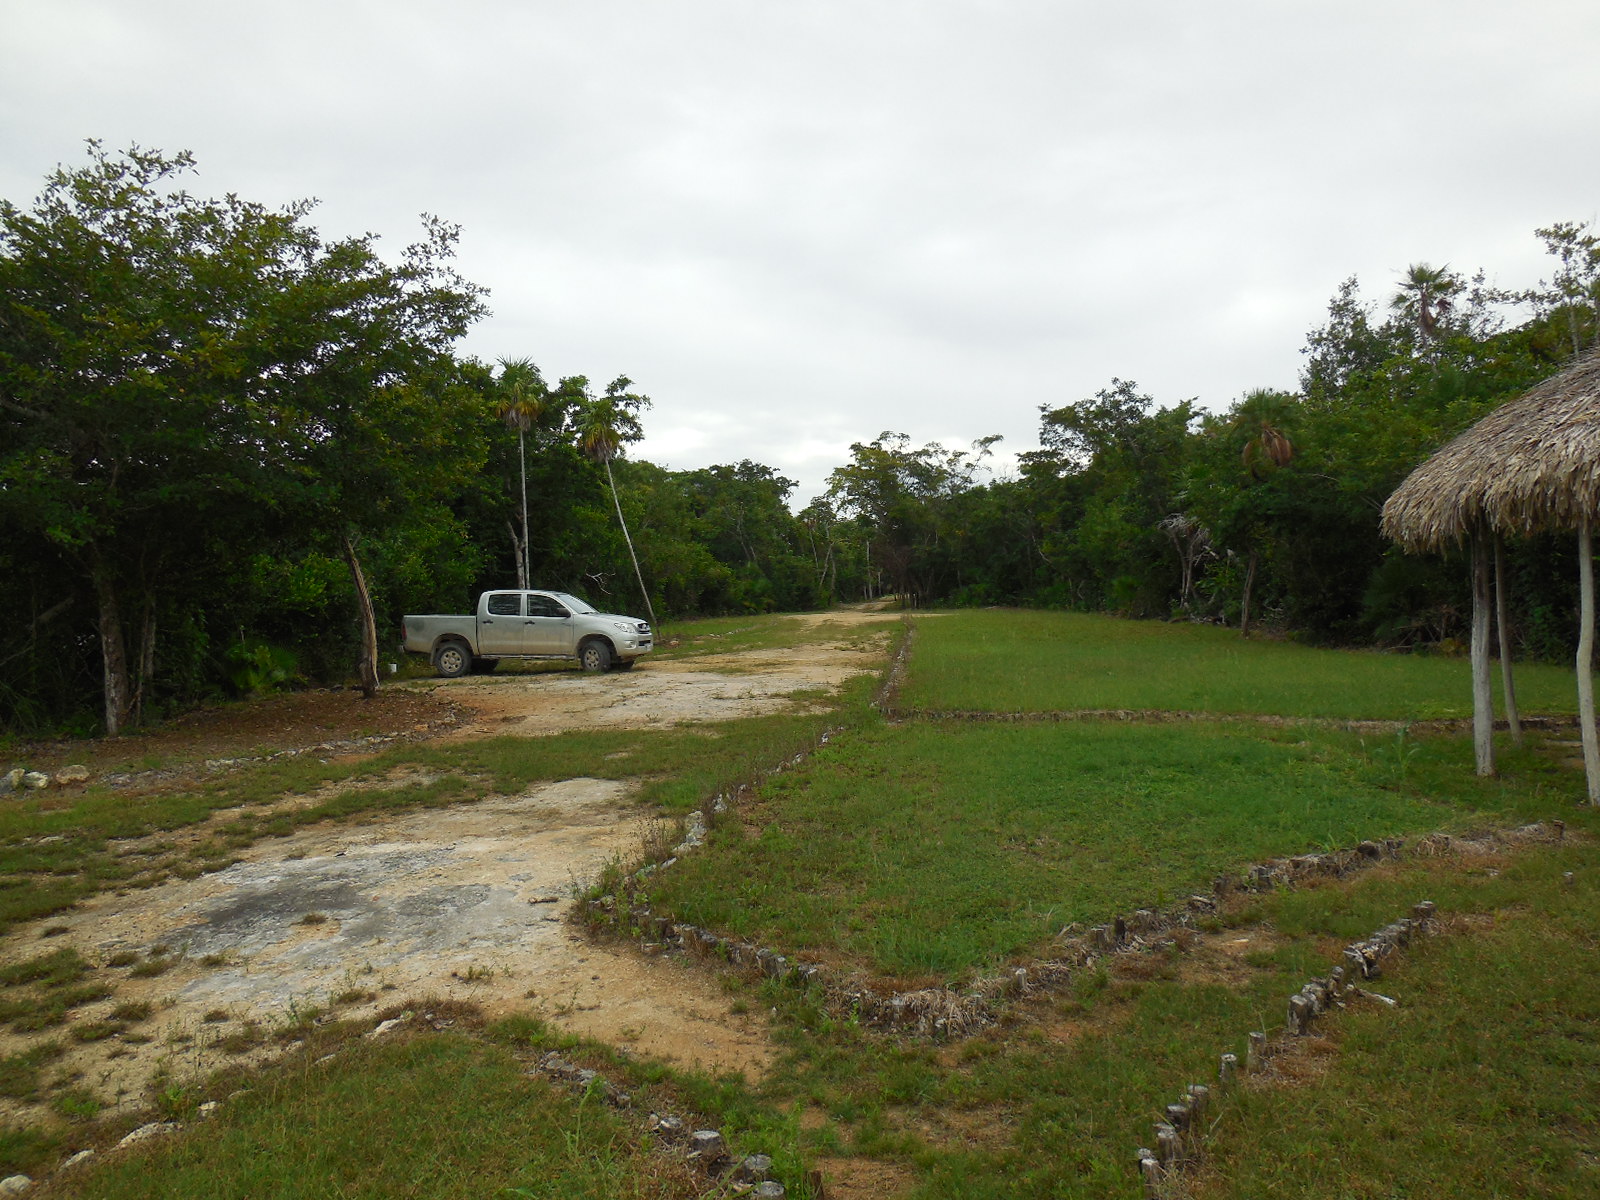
{"points": [[548, 627], [500, 624]]}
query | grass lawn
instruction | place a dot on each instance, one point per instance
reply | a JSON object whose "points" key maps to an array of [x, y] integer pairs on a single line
{"points": [[1484, 1081], [1017, 660], [938, 848]]}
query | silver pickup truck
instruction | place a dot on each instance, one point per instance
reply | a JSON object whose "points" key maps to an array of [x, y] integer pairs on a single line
{"points": [[527, 625]]}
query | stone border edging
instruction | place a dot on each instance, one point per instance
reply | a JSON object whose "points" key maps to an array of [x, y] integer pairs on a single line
{"points": [[705, 1149], [885, 698], [947, 1012], [1181, 1137]]}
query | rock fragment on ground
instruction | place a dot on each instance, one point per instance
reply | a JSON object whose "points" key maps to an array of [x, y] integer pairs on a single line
{"points": [[146, 1132]]}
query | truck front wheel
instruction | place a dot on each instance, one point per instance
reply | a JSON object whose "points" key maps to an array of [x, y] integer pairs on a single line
{"points": [[594, 656], [452, 659]]}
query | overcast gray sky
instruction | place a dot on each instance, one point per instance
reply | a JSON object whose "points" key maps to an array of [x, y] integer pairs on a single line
{"points": [[797, 225]]}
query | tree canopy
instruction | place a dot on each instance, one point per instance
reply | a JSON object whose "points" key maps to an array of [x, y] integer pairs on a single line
{"points": [[232, 451]]}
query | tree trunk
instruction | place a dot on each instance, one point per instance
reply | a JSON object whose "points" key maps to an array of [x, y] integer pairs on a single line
{"points": [[638, 574], [1591, 742], [367, 669], [518, 552], [1482, 691], [147, 658], [1249, 584], [113, 650], [524, 564], [1503, 634]]}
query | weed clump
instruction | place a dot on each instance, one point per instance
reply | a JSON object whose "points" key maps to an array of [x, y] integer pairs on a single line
{"points": [[56, 969], [19, 1073]]}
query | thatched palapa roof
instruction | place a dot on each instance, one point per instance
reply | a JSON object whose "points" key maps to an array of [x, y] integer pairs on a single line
{"points": [[1531, 465]]}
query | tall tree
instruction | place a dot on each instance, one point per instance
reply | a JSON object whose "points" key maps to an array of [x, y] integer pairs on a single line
{"points": [[170, 366], [365, 428], [524, 399], [605, 424], [1425, 298], [1109, 472], [904, 495], [132, 398], [1574, 289]]}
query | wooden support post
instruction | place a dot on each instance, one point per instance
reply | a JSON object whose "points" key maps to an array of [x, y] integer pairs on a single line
{"points": [[1482, 691], [1508, 686], [1591, 742]]}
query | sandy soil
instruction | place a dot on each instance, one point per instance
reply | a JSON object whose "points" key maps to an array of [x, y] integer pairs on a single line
{"points": [[465, 903], [713, 687]]}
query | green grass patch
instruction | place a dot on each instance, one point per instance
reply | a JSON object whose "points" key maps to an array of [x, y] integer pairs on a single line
{"points": [[19, 1073], [1027, 661], [735, 635], [1484, 1081], [56, 969], [424, 1116], [934, 849]]}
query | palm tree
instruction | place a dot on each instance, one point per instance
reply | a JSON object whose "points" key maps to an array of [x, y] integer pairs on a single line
{"points": [[524, 399], [1424, 298], [604, 425], [1262, 416]]}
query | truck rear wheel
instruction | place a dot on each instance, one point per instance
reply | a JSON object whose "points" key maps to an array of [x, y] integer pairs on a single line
{"points": [[452, 659], [594, 656]]}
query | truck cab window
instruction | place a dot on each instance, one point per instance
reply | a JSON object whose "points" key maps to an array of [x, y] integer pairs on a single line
{"points": [[505, 604], [545, 606]]}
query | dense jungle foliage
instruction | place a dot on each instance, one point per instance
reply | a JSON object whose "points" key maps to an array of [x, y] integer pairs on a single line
{"points": [[232, 454]]}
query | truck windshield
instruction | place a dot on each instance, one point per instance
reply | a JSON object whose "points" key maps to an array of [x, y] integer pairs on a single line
{"points": [[572, 602]]}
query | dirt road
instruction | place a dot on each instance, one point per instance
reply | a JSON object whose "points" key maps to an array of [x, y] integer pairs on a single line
{"points": [[464, 903]]}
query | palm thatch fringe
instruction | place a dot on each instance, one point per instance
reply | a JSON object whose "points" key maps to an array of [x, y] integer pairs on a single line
{"points": [[1530, 466]]}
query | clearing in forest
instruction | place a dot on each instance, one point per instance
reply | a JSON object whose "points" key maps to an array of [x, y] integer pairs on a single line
{"points": [[932, 850]]}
